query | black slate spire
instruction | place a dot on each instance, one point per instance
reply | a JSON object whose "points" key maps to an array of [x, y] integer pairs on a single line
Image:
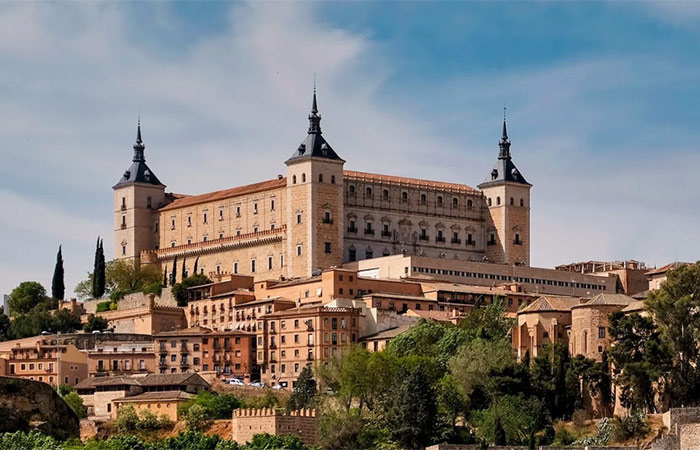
{"points": [[314, 117], [505, 169], [139, 148], [504, 144]]}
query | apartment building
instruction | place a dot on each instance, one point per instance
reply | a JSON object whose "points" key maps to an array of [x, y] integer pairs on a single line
{"points": [[289, 340], [121, 358], [49, 363]]}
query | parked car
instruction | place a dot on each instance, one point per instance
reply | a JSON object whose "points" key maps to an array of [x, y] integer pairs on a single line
{"points": [[236, 382], [257, 384], [278, 386]]}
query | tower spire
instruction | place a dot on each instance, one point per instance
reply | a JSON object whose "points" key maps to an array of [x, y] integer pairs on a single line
{"points": [[314, 117], [504, 144], [138, 146]]}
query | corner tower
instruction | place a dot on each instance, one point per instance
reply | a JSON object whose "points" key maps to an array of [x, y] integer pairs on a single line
{"points": [[137, 196], [507, 195], [314, 203]]}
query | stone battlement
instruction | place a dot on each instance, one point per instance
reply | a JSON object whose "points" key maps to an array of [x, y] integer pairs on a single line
{"points": [[249, 422], [272, 412]]}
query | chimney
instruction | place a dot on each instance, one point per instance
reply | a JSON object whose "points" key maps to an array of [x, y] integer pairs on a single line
{"points": [[151, 301]]}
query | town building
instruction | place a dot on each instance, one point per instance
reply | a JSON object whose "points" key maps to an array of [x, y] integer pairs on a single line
{"points": [[289, 340], [112, 358], [543, 323], [99, 393], [319, 215], [631, 274], [246, 423], [42, 360], [147, 319], [162, 394], [199, 349], [377, 342], [589, 324], [658, 275]]}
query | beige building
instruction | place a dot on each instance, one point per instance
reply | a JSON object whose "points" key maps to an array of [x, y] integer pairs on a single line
{"points": [[246, 423], [319, 216], [544, 322], [99, 393], [657, 276], [289, 340], [631, 274], [121, 358], [149, 319], [589, 324], [43, 361]]}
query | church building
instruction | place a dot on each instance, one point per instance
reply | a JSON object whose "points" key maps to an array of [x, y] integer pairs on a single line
{"points": [[320, 216]]}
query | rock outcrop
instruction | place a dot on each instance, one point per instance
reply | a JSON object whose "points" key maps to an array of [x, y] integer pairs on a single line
{"points": [[31, 405]]}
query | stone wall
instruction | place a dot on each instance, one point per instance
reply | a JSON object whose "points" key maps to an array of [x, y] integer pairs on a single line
{"points": [[248, 422], [518, 447], [135, 300], [26, 405]]}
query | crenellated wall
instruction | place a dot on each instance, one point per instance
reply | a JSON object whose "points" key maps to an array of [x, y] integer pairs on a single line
{"points": [[249, 422]]}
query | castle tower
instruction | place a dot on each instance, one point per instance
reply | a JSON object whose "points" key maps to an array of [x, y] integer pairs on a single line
{"points": [[137, 196], [507, 196], [314, 203]]}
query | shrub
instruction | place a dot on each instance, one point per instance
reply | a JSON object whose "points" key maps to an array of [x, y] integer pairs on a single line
{"points": [[127, 419], [196, 418], [117, 295], [268, 441], [154, 288], [633, 426], [580, 417], [563, 437], [33, 440], [148, 421], [103, 306], [76, 404]]}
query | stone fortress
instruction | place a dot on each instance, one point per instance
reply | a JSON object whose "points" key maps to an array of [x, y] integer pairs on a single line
{"points": [[320, 216]]}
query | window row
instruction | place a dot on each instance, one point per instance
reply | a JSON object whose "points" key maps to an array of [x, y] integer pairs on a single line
{"points": [[303, 178], [386, 196], [489, 201]]}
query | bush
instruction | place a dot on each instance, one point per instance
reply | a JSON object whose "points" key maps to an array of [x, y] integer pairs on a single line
{"points": [[76, 404], [127, 419], [217, 406], [117, 295], [633, 426], [154, 288], [148, 421], [95, 323], [196, 418], [32, 440], [64, 390], [580, 417], [103, 306], [563, 437], [268, 441], [179, 290]]}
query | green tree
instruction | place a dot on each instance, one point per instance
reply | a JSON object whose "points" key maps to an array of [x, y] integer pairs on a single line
{"points": [[304, 391], [64, 321], [127, 419], [476, 362], [410, 408], [269, 442], [639, 357], [489, 323], [25, 297], [4, 326], [196, 418], [58, 287], [675, 308], [76, 404], [130, 276], [34, 440], [216, 405], [99, 271], [429, 338], [179, 290], [95, 323], [173, 275]]}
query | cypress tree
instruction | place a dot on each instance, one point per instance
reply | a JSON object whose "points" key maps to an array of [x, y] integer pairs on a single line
{"points": [[98, 275], [96, 268], [58, 287], [184, 269], [173, 274], [165, 276], [196, 263]]}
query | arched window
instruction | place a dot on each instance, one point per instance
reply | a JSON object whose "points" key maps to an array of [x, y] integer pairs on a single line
{"points": [[439, 200], [385, 194], [404, 196], [352, 189], [303, 178], [522, 203], [369, 253], [294, 179], [320, 178], [332, 179], [423, 199], [498, 200], [455, 202], [369, 192], [489, 202], [512, 202], [470, 204]]}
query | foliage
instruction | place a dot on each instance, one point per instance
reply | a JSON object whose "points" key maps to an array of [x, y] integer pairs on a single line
{"points": [[633, 426], [410, 407], [127, 419], [513, 420], [640, 359], [304, 391], [490, 323], [115, 296], [179, 290], [268, 442], [58, 287], [268, 400], [563, 438], [99, 271], [216, 406], [65, 389], [64, 321], [675, 308], [4, 326], [26, 297], [196, 418], [95, 323], [153, 288], [32, 440], [130, 276], [76, 404], [350, 429], [601, 438], [429, 338], [103, 306], [475, 363]]}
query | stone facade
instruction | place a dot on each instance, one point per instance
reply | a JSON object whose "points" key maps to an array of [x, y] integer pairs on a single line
{"points": [[149, 319], [45, 361], [248, 422], [121, 358], [589, 324], [319, 216]]}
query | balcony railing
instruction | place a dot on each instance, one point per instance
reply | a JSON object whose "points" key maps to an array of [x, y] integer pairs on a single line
{"points": [[386, 233], [368, 231], [456, 241], [352, 230], [439, 239]]}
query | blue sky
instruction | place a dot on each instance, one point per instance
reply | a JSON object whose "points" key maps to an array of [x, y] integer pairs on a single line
{"points": [[602, 106]]}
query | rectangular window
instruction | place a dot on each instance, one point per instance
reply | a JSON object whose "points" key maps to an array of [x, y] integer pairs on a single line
{"points": [[269, 262], [601, 332], [148, 202], [272, 204], [238, 211], [235, 267], [252, 266], [255, 208], [327, 247], [299, 218], [221, 213], [298, 250]]}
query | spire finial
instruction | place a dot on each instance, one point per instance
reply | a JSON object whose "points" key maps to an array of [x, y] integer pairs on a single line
{"points": [[504, 136], [504, 144], [138, 146], [314, 117], [314, 107]]}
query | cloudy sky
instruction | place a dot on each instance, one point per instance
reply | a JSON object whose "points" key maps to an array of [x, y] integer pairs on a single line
{"points": [[602, 109]]}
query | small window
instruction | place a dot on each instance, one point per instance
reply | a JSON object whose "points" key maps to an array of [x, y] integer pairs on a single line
{"points": [[601, 332], [252, 266], [149, 202], [498, 200], [439, 200], [512, 201], [327, 247], [303, 178], [470, 204], [351, 189], [320, 178], [298, 250], [455, 202], [298, 217], [423, 199], [294, 179], [255, 208], [205, 217], [522, 203], [385, 194], [368, 192], [124, 249], [404, 196], [489, 202], [272, 204], [269, 263], [332, 179]]}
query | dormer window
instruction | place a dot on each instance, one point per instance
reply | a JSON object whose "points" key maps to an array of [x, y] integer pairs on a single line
{"points": [[494, 174]]}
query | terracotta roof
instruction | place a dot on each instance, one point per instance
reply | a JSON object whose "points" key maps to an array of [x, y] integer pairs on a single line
{"points": [[641, 295], [550, 303], [666, 268], [276, 183], [390, 333], [93, 382], [471, 289], [406, 181], [193, 331], [170, 379], [160, 395], [312, 309], [607, 300], [438, 316], [634, 307]]}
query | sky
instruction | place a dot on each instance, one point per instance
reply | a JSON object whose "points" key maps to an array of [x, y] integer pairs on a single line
{"points": [[602, 111]]}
